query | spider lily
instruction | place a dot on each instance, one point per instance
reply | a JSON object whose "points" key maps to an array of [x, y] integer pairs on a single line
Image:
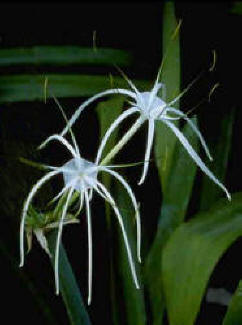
{"points": [[80, 179], [152, 108]]}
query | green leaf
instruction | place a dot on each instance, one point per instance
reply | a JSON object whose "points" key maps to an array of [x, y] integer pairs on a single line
{"points": [[18, 88], [220, 149], [174, 207], [234, 312], [63, 56], [68, 285], [191, 254], [133, 298], [164, 138], [107, 112]]}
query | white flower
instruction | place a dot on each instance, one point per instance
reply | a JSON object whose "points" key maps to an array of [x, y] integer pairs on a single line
{"points": [[81, 177], [151, 108]]}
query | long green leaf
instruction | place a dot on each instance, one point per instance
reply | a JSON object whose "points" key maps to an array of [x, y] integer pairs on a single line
{"points": [[107, 112], [18, 88], [68, 286], [63, 56], [191, 255], [174, 206], [234, 312], [220, 149], [133, 298], [164, 138]]}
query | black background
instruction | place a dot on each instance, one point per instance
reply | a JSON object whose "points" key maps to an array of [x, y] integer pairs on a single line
{"points": [[136, 27]]}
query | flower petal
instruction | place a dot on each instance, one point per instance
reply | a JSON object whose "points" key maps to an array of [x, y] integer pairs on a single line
{"points": [[133, 199], [109, 198], [89, 227], [110, 130], [127, 136], [65, 188], [195, 157], [195, 129], [57, 248], [92, 99], [62, 140], [148, 149], [35, 188]]}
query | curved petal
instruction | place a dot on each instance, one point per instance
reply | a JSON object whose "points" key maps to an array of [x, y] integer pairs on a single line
{"points": [[67, 124], [110, 130], [62, 140], [195, 157], [195, 129], [105, 193], [148, 149], [92, 99], [65, 188], [89, 226], [133, 199], [137, 124], [154, 92], [184, 91], [35, 188], [57, 248]]}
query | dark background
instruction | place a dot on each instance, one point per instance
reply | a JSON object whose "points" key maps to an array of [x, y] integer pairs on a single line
{"points": [[136, 27]]}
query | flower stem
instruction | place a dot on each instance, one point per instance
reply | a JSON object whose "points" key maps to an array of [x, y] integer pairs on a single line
{"points": [[123, 141]]}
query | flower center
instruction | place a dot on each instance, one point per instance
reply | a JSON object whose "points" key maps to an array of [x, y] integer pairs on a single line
{"points": [[150, 107], [80, 173]]}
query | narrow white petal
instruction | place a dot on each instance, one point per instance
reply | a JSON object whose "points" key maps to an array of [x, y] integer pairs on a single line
{"points": [[35, 188], [148, 149], [133, 199], [92, 99], [110, 130], [62, 140], [195, 156], [154, 92], [195, 129], [163, 86], [183, 92], [69, 128], [90, 195], [113, 205], [57, 248], [89, 227], [68, 185], [131, 84], [127, 136]]}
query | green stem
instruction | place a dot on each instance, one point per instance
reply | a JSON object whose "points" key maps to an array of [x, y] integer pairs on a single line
{"points": [[123, 141]]}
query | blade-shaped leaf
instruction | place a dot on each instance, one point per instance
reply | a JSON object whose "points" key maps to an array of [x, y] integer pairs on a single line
{"points": [[174, 206], [63, 56], [191, 255], [107, 112], [133, 297], [164, 138], [68, 286], [234, 312], [220, 149], [18, 88]]}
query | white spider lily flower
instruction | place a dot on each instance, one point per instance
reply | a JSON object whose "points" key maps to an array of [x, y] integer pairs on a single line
{"points": [[81, 177], [152, 108]]}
